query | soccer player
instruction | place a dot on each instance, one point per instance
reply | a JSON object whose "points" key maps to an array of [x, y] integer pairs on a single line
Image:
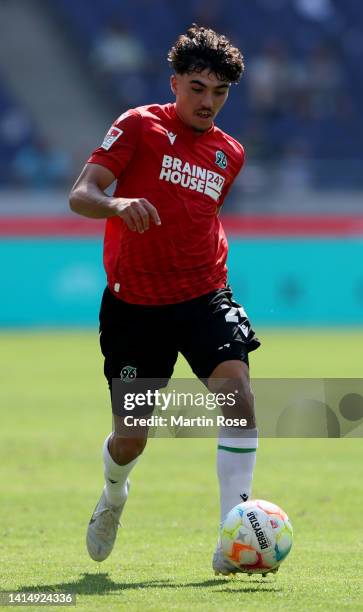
{"points": [[165, 257]]}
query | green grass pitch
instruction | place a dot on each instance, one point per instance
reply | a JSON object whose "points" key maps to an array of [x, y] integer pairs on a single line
{"points": [[54, 417]]}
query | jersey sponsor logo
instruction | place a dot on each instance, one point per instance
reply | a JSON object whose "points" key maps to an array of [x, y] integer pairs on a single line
{"points": [[171, 137], [190, 176], [221, 159], [112, 135]]}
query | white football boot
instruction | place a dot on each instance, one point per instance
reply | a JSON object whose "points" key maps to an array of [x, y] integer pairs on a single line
{"points": [[103, 526], [221, 565]]}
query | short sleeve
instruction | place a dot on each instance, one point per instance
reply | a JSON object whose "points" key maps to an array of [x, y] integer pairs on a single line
{"points": [[119, 144]]}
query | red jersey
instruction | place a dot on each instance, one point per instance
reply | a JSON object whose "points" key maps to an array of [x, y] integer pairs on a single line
{"points": [[186, 176]]}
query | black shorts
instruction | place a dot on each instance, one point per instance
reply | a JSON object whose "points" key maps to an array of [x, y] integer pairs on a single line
{"points": [[144, 341]]}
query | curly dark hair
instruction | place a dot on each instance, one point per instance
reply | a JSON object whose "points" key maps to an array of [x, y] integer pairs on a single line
{"points": [[202, 48]]}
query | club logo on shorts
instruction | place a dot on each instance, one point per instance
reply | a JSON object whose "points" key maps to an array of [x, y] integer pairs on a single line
{"points": [[221, 159], [128, 373]]}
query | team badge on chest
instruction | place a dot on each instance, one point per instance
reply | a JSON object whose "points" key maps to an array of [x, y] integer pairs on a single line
{"points": [[221, 160]]}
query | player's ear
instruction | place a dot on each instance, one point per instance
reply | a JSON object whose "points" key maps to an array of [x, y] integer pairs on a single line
{"points": [[173, 84]]}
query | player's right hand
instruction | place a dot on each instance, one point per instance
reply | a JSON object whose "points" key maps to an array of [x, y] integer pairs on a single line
{"points": [[137, 213]]}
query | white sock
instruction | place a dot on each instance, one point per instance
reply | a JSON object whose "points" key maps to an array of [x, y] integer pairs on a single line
{"points": [[115, 477], [236, 458]]}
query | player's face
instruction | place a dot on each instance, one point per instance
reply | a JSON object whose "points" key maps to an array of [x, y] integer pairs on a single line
{"points": [[199, 97]]}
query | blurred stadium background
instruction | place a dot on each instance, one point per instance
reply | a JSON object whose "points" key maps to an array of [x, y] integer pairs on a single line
{"points": [[294, 218]]}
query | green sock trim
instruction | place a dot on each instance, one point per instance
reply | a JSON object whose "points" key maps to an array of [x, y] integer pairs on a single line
{"points": [[232, 449]]}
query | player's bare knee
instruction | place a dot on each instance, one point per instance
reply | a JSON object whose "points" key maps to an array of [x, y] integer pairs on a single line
{"points": [[236, 386], [124, 450]]}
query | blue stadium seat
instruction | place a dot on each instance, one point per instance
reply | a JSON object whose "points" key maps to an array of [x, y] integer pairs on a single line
{"points": [[16, 132], [250, 24]]}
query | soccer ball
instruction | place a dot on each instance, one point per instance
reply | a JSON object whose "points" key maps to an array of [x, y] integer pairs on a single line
{"points": [[256, 536]]}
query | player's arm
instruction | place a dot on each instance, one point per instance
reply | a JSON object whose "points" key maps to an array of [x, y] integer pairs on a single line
{"points": [[106, 164], [88, 198]]}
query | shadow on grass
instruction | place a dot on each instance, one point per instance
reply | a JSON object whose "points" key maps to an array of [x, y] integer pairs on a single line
{"points": [[92, 584], [236, 585]]}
